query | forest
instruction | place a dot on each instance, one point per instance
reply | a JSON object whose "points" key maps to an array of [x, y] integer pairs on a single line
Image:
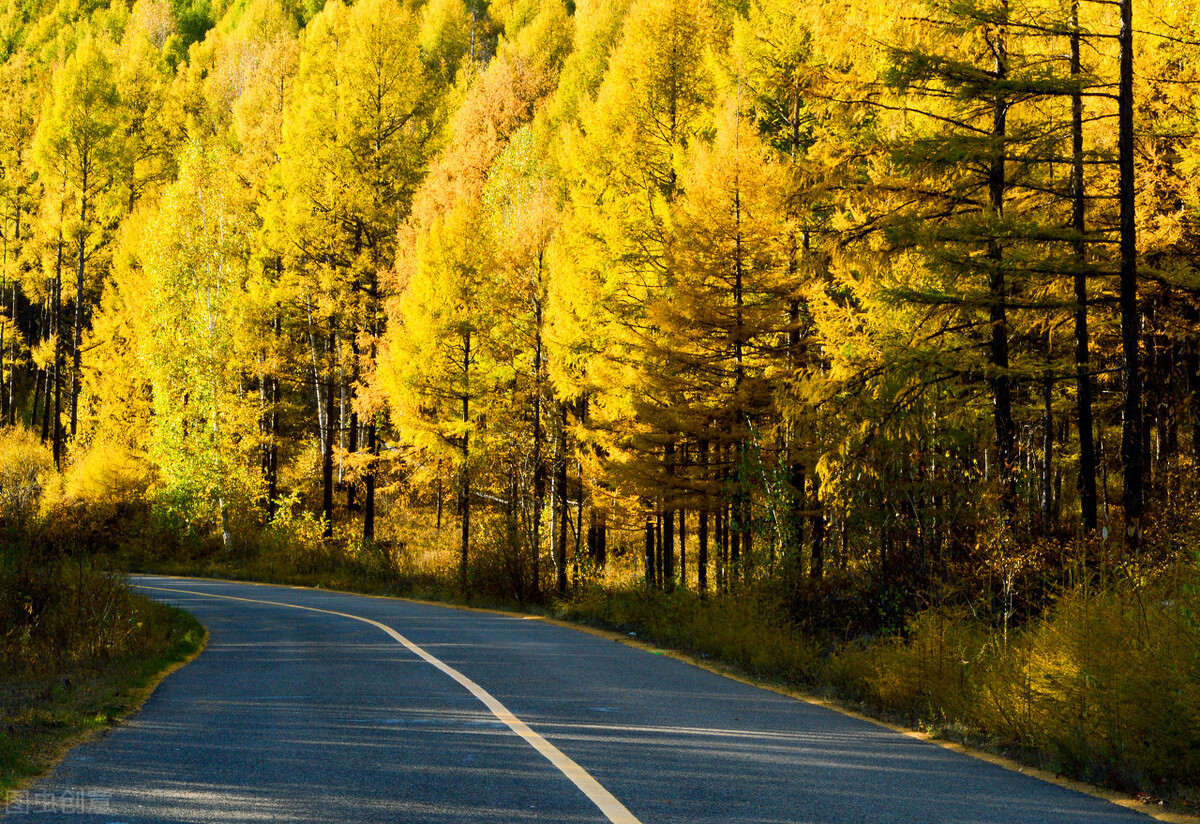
{"points": [[871, 319]]}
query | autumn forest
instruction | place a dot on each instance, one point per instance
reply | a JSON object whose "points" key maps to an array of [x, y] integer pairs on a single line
{"points": [[860, 313]]}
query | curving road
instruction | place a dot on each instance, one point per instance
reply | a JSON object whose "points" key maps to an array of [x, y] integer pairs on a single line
{"points": [[357, 709]]}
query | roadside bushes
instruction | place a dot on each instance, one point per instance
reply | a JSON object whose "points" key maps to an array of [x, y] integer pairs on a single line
{"points": [[61, 614], [26, 467], [57, 607], [1106, 686], [742, 630]]}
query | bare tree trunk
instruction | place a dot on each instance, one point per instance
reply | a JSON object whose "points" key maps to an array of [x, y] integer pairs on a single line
{"points": [[560, 483], [539, 467], [465, 475], [649, 533], [702, 530], [56, 311], [329, 435], [1083, 379], [77, 331], [274, 399], [369, 483], [817, 567], [998, 294], [668, 521], [683, 547], [1047, 447], [1131, 408]]}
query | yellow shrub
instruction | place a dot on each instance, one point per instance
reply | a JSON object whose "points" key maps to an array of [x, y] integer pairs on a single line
{"points": [[928, 675], [107, 474], [1114, 684], [26, 465]]}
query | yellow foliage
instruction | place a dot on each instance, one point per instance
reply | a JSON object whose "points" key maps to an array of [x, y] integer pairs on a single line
{"points": [[26, 466], [1107, 685], [107, 474]]}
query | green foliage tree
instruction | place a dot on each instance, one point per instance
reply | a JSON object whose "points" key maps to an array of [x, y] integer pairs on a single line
{"points": [[197, 265]]}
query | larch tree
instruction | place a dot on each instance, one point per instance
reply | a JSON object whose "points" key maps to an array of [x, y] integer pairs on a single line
{"points": [[628, 147], [79, 146], [354, 146], [445, 357]]}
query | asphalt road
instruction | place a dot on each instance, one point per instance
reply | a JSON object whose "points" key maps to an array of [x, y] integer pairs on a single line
{"points": [[295, 715]]}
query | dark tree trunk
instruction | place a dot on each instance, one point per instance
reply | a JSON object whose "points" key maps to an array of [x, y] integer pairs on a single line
{"points": [[998, 294], [1083, 379], [668, 521], [369, 481], [817, 566], [329, 437], [272, 462], [55, 321], [352, 435], [77, 330], [658, 548], [1131, 407], [1047, 447], [702, 528], [683, 547], [539, 467], [649, 551], [464, 497], [560, 482]]}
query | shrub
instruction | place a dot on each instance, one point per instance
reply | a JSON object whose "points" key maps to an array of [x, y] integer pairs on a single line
{"points": [[26, 466], [1106, 685], [64, 613]]}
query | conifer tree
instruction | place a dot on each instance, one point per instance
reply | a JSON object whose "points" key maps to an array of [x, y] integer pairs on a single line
{"points": [[79, 144]]}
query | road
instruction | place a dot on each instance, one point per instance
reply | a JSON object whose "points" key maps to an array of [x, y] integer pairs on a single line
{"points": [[395, 711]]}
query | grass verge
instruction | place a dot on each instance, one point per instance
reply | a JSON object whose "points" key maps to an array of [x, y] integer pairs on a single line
{"points": [[43, 713]]}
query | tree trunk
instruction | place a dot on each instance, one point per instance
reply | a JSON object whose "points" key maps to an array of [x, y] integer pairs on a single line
{"points": [[683, 547], [539, 468], [560, 482], [658, 547], [77, 331], [1131, 407], [56, 311], [817, 566], [12, 363], [1083, 378], [668, 521], [352, 435], [273, 428], [329, 436], [369, 483], [702, 529], [1047, 446], [465, 475], [649, 550], [998, 294]]}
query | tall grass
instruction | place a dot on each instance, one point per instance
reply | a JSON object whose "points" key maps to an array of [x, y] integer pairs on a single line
{"points": [[1105, 687], [746, 631]]}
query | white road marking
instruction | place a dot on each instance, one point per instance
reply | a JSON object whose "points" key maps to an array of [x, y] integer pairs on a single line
{"points": [[607, 803]]}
